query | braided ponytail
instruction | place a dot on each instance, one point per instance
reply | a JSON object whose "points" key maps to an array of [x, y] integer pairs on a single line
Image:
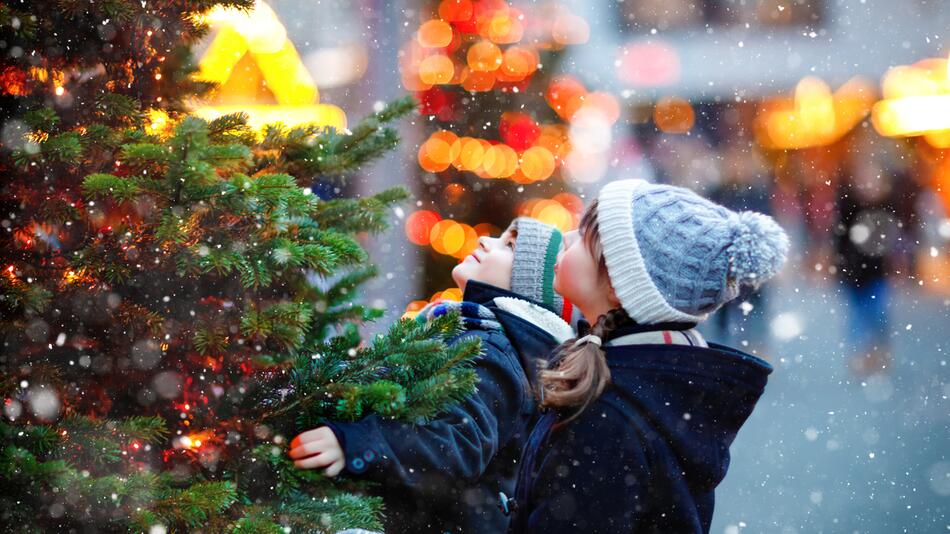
{"points": [[578, 372]]}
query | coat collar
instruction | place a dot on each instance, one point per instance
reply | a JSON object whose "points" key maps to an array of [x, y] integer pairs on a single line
{"points": [[482, 293]]}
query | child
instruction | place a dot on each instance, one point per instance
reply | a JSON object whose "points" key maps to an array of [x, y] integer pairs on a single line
{"points": [[445, 475], [644, 410]]}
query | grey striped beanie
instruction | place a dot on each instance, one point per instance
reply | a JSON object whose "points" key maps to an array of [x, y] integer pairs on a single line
{"points": [[536, 249]]}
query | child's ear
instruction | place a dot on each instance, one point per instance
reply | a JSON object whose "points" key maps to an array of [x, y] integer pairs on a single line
{"points": [[612, 298]]}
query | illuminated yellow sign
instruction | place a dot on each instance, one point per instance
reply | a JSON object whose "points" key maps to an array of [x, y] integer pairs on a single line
{"points": [[816, 116], [259, 72], [916, 102]]}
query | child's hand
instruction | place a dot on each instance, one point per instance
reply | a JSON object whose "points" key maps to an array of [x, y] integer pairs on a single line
{"points": [[318, 448]]}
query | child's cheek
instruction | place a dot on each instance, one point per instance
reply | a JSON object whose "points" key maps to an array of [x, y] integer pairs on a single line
{"points": [[563, 280]]}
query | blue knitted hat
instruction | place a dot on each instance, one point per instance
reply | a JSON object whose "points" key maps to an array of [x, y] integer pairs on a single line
{"points": [[672, 255]]}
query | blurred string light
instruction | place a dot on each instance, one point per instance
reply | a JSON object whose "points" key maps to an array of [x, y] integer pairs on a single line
{"points": [[194, 441], [489, 45], [448, 237], [916, 102], [486, 44], [255, 42], [445, 236], [452, 238], [814, 116], [539, 149]]}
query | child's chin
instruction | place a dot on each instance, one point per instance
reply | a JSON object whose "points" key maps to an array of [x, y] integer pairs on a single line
{"points": [[459, 275]]}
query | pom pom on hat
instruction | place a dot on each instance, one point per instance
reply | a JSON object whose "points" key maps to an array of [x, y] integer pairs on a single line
{"points": [[673, 255], [758, 250]]}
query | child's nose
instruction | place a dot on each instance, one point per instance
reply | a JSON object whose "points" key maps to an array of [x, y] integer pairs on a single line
{"points": [[569, 238]]}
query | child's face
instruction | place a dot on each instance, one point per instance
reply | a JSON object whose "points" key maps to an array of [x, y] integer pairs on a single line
{"points": [[577, 278], [490, 263]]}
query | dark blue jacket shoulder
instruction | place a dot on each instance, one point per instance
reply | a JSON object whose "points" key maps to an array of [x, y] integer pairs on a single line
{"points": [[649, 453]]}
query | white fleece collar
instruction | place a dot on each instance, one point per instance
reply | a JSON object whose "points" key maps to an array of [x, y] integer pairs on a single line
{"points": [[541, 317]]}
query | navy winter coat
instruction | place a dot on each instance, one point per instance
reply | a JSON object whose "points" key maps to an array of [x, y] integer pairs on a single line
{"points": [[647, 455], [445, 475]]}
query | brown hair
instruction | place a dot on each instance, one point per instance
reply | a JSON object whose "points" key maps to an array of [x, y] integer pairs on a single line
{"points": [[578, 374]]}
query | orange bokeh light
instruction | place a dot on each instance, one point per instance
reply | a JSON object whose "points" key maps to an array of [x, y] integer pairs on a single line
{"points": [[484, 56], [443, 147], [454, 193], [477, 82], [519, 62], [436, 69], [504, 26], [426, 162], [565, 95], [673, 115], [471, 154], [437, 235], [435, 34]]}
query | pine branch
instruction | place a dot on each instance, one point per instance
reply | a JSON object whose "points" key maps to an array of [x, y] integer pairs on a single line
{"points": [[196, 504], [338, 381]]}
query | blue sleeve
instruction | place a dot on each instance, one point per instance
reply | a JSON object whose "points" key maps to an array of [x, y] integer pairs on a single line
{"points": [[591, 478], [458, 444]]}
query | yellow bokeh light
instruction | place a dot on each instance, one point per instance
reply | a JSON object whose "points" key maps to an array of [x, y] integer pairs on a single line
{"points": [[816, 116], [453, 239], [917, 102], [537, 163], [471, 154], [556, 215]]}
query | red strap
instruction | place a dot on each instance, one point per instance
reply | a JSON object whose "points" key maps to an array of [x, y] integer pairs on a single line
{"points": [[567, 311], [667, 338]]}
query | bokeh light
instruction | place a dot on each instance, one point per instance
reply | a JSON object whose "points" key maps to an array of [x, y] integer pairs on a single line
{"points": [[419, 225], [435, 34], [456, 10], [484, 56], [477, 81], [518, 130], [519, 62], [470, 154], [436, 69], [673, 115], [537, 163], [565, 95], [570, 29]]}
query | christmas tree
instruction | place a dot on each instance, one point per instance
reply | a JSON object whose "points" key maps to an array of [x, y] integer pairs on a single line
{"points": [[174, 302]]}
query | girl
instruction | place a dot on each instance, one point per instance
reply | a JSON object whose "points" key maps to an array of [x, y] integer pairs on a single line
{"points": [[643, 409], [445, 475]]}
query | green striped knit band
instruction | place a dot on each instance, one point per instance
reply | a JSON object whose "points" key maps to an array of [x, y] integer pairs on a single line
{"points": [[536, 249]]}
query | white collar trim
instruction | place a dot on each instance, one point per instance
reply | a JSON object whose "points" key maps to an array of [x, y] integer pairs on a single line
{"points": [[541, 317]]}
